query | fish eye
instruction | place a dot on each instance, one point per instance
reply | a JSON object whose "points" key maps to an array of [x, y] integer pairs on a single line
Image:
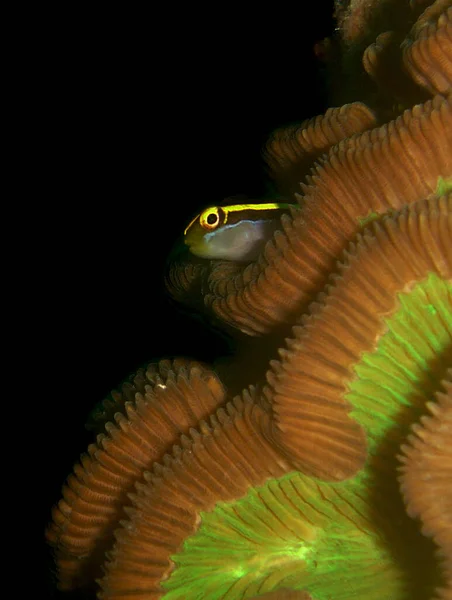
{"points": [[210, 219]]}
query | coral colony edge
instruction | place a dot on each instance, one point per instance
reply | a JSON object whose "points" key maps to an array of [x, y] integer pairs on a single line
{"points": [[329, 478]]}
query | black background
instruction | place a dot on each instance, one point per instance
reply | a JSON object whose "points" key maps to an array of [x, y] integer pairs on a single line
{"points": [[148, 117]]}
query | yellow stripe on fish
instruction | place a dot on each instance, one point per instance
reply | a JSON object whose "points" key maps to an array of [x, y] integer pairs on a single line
{"points": [[236, 232]]}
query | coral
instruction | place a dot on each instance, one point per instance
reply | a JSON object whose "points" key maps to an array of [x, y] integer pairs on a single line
{"points": [[427, 473], [330, 477]]}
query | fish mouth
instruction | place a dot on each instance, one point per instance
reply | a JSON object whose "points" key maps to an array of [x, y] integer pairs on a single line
{"points": [[190, 244], [195, 250]]}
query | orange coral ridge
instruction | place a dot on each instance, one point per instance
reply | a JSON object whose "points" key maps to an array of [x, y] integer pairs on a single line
{"points": [[382, 61], [290, 151], [154, 374], [95, 494], [425, 61], [428, 58], [220, 460], [426, 479], [309, 383]]}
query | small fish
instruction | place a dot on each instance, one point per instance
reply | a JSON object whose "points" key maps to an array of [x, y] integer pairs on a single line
{"points": [[236, 232]]}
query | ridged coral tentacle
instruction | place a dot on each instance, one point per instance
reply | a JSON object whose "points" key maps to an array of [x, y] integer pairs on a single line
{"points": [[291, 151], [96, 493], [217, 462], [308, 384], [426, 476], [428, 57]]}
